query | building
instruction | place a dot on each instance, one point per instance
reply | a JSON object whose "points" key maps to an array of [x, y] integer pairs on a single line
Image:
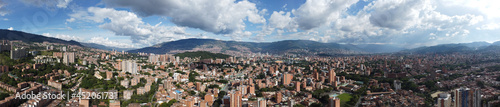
{"points": [[189, 102], [127, 94], [114, 103], [124, 83], [262, 102], [129, 66], [235, 97], [444, 100], [134, 81], [5, 45], [397, 85], [83, 101], [467, 97], [334, 102], [279, 97], [316, 75], [209, 97], [297, 86], [331, 76], [57, 54], [69, 57], [18, 53], [251, 90], [55, 84], [198, 86], [141, 90], [109, 75], [4, 68], [287, 78]]}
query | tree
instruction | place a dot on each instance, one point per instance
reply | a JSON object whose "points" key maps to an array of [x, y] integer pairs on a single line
{"points": [[316, 105], [480, 84], [170, 103]]}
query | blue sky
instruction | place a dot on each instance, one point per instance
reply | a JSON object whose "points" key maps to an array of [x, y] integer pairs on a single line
{"points": [[137, 23]]}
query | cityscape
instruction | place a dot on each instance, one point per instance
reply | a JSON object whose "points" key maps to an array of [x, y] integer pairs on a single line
{"points": [[249, 53]]}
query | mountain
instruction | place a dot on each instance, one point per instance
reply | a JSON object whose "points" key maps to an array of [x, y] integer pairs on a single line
{"points": [[476, 45], [27, 37], [460, 47], [279, 47], [98, 46], [443, 48], [497, 43], [380, 48], [202, 55]]}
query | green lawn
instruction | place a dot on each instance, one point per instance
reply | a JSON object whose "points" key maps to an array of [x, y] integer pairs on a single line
{"points": [[47, 53], [344, 98]]}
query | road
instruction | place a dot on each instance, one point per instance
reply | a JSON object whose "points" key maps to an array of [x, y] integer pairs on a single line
{"points": [[359, 101]]}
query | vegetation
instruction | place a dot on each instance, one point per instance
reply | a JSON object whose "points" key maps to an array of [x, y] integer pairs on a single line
{"points": [[192, 76], [3, 96], [144, 98], [344, 98], [170, 103]]}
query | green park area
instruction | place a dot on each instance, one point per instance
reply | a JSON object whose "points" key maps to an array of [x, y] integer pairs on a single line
{"points": [[345, 97]]}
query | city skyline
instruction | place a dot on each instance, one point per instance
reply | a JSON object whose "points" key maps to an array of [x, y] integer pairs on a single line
{"points": [[132, 24]]}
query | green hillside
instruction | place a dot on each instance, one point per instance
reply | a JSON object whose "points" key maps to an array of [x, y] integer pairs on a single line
{"points": [[202, 54]]}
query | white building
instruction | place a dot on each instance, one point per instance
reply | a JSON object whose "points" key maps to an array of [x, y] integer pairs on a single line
{"points": [[69, 57], [444, 100], [129, 66]]}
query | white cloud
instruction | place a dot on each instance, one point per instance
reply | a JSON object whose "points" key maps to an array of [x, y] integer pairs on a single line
{"points": [[48, 3], [10, 28], [64, 37], [491, 26], [219, 17], [396, 14], [310, 15], [3, 11], [282, 20], [406, 22], [315, 13], [124, 23], [111, 43]]}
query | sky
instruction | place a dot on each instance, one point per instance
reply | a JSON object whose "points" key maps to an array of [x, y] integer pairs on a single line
{"points": [[143, 23]]}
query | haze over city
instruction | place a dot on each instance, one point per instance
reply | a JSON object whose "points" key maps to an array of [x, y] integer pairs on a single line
{"points": [[138, 24]]}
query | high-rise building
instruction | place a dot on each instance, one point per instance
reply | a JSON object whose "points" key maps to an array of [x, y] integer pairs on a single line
{"points": [[68, 57], [467, 97], [287, 78], [209, 97], [279, 96], [397, 84], [334, 102], [262, 102], [316, 75], [331, 76], [444, 100], [189, 102], [18, 53], [235, 99], [5, 45], [198, 86], [297, 87], [251, 90], [129, 66]]}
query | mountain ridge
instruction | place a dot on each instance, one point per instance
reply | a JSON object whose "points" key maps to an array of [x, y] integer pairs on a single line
{"points": [[103, 47], [28, 37], [277, 47]]}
